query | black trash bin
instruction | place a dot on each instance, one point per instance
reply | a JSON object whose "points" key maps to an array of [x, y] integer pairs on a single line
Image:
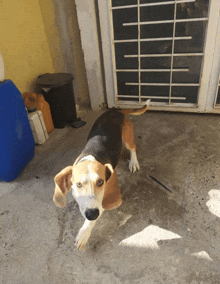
{"points": [[57, 89]]}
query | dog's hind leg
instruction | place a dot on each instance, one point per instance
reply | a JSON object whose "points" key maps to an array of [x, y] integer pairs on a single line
{"points": [[128, 139]]}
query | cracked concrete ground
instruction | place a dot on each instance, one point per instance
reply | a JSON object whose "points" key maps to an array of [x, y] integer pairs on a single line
{"points": [[154, 237]]}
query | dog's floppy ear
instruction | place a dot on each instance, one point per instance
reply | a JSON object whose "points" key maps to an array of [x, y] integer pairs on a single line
{"points": [[108, 171], [112, 195], [63, 185]]}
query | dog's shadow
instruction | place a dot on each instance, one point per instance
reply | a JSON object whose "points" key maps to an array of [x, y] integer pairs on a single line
{"points": [[150, 220], [143, 204]]}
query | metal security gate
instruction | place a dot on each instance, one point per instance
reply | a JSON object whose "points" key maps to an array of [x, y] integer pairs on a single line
{"points": [[165, 50]]}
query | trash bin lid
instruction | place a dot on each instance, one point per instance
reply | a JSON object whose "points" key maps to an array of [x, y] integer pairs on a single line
{"points": [[49, 80]]}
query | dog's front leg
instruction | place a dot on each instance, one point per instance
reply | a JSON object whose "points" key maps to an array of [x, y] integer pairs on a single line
{"points": [[84, 234], [85, 231]]}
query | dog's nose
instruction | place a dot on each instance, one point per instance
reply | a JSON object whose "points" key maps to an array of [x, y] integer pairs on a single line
{"points": [[92, 214]]}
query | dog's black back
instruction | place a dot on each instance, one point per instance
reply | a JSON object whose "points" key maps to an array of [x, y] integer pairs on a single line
{"points": [[105, 138]]}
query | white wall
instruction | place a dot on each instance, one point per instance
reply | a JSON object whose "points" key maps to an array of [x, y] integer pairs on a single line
{"points": [[86, 15]]}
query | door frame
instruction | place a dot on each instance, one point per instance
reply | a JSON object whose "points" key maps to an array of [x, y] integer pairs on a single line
{"points": [[209, 79]]}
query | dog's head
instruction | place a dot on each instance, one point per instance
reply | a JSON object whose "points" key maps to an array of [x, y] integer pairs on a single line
{"points": [[94, 187]]}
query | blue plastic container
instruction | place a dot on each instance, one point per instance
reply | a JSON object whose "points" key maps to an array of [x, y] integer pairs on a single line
{"points": [[16, 139]]}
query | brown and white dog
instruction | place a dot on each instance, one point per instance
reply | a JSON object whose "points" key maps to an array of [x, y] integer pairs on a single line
{"points": [[92, 177]]}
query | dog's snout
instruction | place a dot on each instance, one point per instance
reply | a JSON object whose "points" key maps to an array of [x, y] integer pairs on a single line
{"points": [[92, 214]]}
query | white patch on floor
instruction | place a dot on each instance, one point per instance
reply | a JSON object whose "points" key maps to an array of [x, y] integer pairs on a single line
{"points": [[202, 255], [149, 237], [214, 202]]}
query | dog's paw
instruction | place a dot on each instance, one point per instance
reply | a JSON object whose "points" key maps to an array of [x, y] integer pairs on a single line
{"points": [[134, 165], [82, 239]]}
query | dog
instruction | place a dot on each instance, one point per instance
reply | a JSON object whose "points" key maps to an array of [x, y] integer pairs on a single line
{"points": [[92, 178]]}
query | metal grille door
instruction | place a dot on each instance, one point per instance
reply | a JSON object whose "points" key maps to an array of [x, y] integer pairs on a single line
{"points": [[158, 51]]}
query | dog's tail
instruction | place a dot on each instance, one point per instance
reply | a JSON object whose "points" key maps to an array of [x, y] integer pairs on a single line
{"points": [[136, 111]]}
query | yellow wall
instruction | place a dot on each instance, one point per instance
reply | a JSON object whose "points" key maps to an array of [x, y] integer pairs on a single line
{"points": [[48, 13], [23, 42], [42, 36]]}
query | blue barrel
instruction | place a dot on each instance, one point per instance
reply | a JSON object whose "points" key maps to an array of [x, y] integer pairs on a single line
{"points": [[16, 139]]}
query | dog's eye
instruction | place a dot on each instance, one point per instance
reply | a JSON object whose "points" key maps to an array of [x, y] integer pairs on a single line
{"points": [[100, 182], [78, 184]]}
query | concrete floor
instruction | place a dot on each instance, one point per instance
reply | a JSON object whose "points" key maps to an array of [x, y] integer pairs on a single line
{"points": [[154, 237]]}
